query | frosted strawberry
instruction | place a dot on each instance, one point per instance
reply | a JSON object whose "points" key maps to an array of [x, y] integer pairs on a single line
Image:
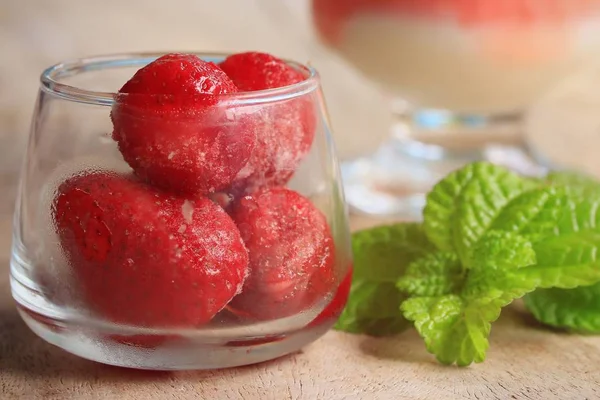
{"points": [[285, 129], [176, 131], [292, 254], [146, 258]]}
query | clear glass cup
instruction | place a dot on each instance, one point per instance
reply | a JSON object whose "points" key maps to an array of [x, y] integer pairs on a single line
{"points": [[98, 267], [460, 73]]}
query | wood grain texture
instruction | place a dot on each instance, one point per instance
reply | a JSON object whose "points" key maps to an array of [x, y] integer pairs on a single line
{"points": [[525, 361]]}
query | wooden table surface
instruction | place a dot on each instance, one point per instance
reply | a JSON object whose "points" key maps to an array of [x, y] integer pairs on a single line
{"points": [[525, 361]]}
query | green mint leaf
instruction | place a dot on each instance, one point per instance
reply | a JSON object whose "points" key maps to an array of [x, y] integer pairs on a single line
{"points": [[381, 256], [569, 259], [435, 274], [454, 331], [501, 251], [566, 261], [461, 207], [372, 308], [441, 205], [532, 214], [582, 183], [383, 253], [564, 227], [480, 203], [498, 259], [575, 309], [456, 326]]}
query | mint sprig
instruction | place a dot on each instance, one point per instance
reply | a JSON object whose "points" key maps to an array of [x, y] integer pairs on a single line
{"points": [[456, 324], [489, 236]]}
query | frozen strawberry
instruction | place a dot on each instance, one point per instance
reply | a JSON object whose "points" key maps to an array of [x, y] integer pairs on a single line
{"points": [[285, 129], [259, 71], [291, 254], [146, 258], [175, 129], [337, 304]]}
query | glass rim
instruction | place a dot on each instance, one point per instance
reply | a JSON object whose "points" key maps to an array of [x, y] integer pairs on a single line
{"points": [[51, 76]]}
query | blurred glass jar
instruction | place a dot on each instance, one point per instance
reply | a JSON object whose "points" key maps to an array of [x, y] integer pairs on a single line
{"points": [[462, 71]]}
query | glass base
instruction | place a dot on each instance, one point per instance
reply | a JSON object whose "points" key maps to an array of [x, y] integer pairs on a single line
{"points": [[227, 344], [175, 355], [423, 148]]}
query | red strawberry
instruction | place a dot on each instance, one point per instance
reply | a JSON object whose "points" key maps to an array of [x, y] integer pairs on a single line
{"points": [[285, 129], [291, 254], [174, 129], [259, 71], [146, 258], [337, 304]]}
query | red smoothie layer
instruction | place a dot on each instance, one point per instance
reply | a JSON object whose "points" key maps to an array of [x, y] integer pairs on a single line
{"points": [[331, 15]]}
